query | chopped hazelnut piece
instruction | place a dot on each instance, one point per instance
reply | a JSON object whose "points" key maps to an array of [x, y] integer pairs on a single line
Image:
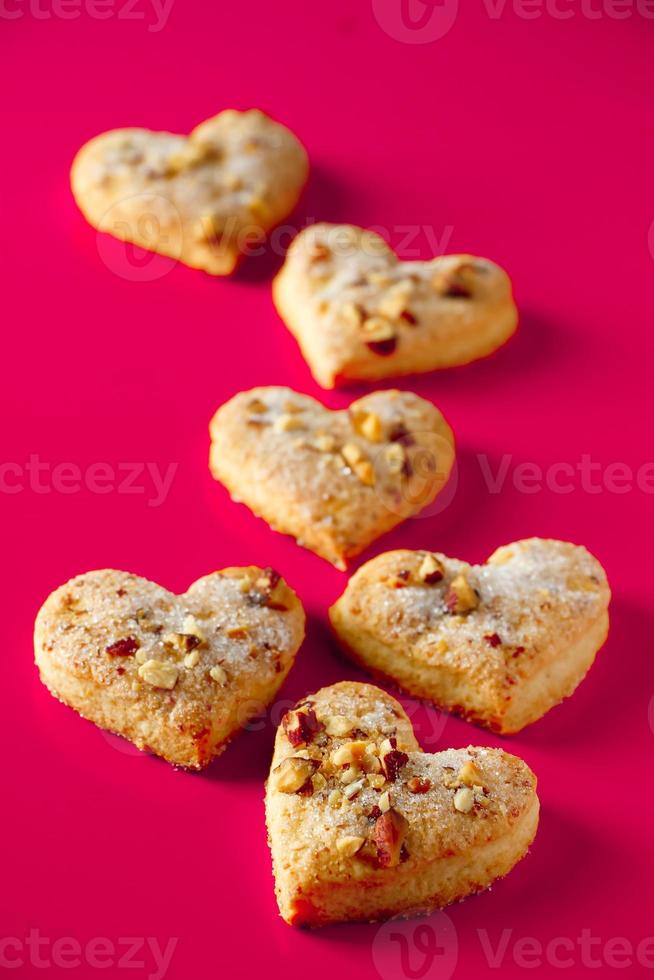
{"points": [[377, 780], [293, 774], [351, 791], [335, 798], [318, 782], [257, 407], [301, 725], [392, 759], [357, 755], [324, 442], [339, 725], [126, 647], [431, 570], [388, 836], [191, 628], [218, 675], [385, 802], [352, 454], [464, 800], [355, 459], [192, 659], [158, 674], [418, 785], [349, 845], [461, 597], [469, 775], [369, 425], [182, 642], [287, 422]]}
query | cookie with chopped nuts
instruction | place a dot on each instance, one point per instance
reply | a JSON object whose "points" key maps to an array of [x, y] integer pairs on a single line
{"points": [[363, 825], [202, 199], [335, 481], [359, 313], [499, 643], [178, 675]]}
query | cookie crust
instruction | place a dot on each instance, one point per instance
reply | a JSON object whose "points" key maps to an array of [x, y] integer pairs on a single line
{"points": [[541, 617], [360, 314], [97, 636]]}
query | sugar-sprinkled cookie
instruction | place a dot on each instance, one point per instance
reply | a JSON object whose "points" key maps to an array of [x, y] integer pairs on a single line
{"points": [[336, 481], [203, 199], [359, 313], [178, 675], [499, 643], [364, 826]]}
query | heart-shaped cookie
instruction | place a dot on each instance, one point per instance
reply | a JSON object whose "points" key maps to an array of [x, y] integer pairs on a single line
{"points": [[203, 199], [359, 313], [499, 644], [178, 675], [362, 825], [335, 481]]}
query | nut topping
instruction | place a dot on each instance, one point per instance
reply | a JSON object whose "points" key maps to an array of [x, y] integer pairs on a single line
{"points": [[349, 845], [418, 785], [158, 674], [287, 422], [192, 659], [431, 570], [293, 774], [357, 755], [469, 775], [388, 836], [191, 628], [392, 759], [351, 791], [301, 725], [218, 675], [324, 442], [338, 725], [126, 647], [356, 460], [369, 425], [464, 800], [461, 598]]}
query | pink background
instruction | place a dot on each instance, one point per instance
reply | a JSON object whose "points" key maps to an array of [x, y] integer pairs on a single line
{"points": [[526, 140]]}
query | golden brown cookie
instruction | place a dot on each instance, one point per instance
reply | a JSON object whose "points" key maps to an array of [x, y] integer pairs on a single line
{"points": [[203, 199], [499, 643], [359, 313], [363, 826], [335, 481], [178, 675]]}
